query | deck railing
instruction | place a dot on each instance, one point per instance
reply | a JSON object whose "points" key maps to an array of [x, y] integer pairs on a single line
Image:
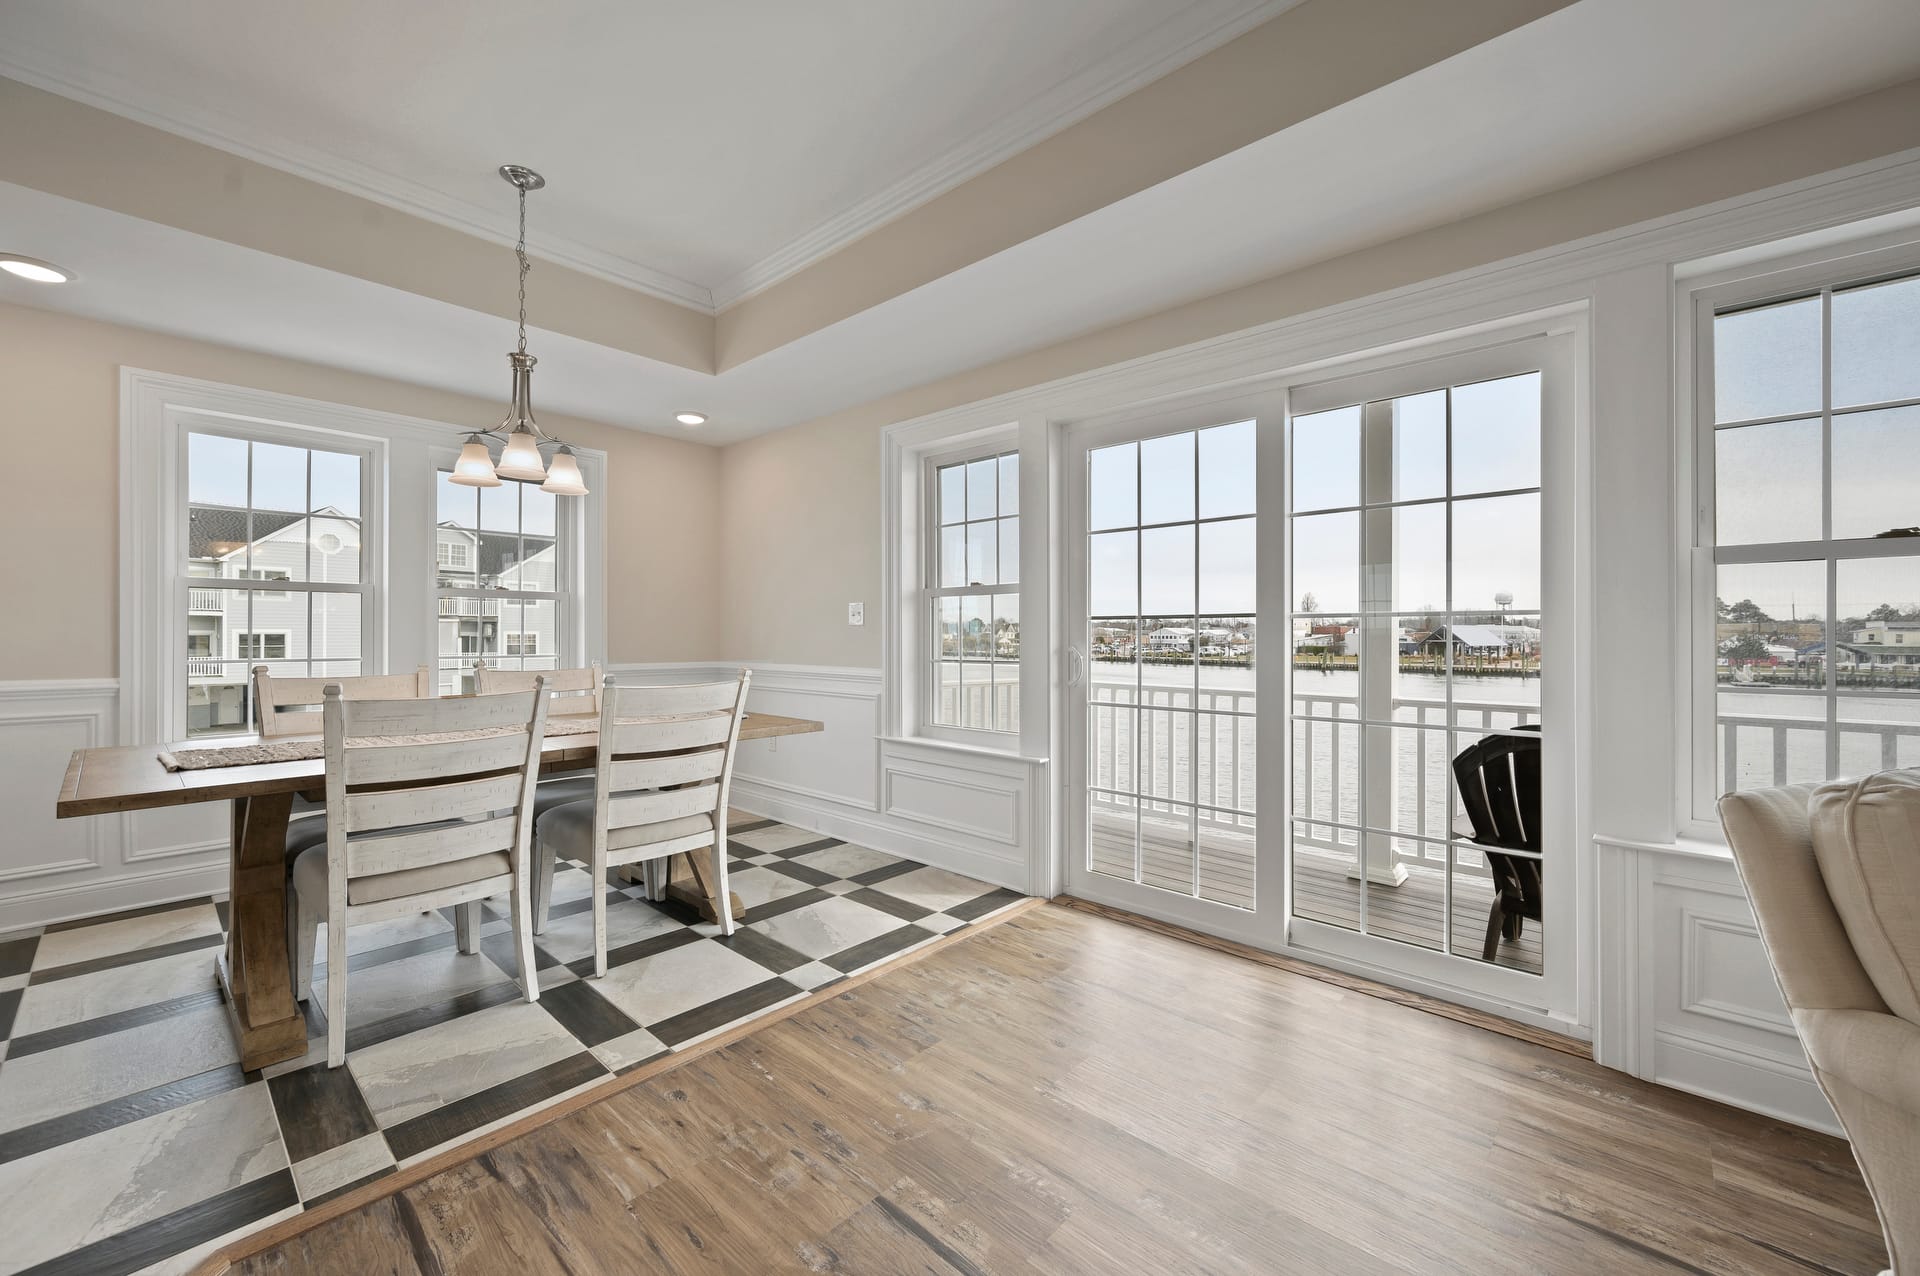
{"points": [[1774, 762], [202, 601], [1326, 763], [993, 705]]}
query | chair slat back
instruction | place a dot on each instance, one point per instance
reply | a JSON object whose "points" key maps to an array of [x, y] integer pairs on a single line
{"points": [[415, 783], [640, 736], [666, 753], [288, 706], [575, 692], [1498, 779]]}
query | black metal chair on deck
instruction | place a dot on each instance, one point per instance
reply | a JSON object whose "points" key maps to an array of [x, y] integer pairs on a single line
{"points": [[1498, 779]]}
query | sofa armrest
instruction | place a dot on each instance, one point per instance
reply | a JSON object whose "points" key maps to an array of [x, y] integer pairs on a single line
{"points": [[1878, 1053]]}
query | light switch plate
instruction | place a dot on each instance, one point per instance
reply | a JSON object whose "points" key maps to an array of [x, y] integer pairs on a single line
{"points": [[856, 613]]}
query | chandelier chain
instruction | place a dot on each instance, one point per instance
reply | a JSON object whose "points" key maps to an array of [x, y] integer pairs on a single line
{"points": [[520, 251]]}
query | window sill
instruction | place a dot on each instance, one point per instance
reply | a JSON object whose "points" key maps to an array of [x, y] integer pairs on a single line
{"points": [[1688, 847], [1009, 754]]}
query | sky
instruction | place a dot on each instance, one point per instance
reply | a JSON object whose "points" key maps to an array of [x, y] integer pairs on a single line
{"points": [[1495, 447], [217, 475], [1767, 364]]}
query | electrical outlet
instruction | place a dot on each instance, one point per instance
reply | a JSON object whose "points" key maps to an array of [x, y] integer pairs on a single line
{"points": [[856, 613]]}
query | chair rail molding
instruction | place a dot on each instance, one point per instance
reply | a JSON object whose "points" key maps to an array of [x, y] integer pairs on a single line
{"points": [[970, 811]]}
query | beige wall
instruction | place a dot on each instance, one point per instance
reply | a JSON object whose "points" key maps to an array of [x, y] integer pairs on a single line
{"points": [[60, 576], [803, 528]]}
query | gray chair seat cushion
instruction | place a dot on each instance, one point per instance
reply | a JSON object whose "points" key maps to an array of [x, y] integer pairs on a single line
{"points": [[560, 790], [567, 831], [308, 830], [310, 877]]}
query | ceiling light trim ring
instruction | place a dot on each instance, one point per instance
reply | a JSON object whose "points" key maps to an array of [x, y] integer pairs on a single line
{"points": [[9, 262]]}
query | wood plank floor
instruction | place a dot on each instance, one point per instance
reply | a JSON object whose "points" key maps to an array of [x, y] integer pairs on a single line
{"points": [[1070, 1094]]}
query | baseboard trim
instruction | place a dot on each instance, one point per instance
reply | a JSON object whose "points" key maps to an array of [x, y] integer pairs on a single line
{"points": [[1340, 978], [79, 900], [834, 818], [1761, 1081]]}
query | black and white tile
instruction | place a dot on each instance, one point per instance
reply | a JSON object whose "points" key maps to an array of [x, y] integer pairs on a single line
{"points": [[132, 1141]]}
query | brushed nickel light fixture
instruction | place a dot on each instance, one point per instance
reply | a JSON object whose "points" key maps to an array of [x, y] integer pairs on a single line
{"points": [[519, 435]]}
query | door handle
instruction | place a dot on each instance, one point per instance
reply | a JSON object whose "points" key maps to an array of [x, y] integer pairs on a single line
{"points": [[1076, 666]]}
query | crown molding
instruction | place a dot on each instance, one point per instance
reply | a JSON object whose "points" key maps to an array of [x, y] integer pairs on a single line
{"points": [[181, 117], [1171, 45], [1196, 30]]}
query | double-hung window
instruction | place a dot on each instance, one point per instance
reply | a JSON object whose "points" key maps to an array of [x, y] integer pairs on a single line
{"points": [[1807, 609], [274, 568], [500, 579], [972, 593], [325, 541]]}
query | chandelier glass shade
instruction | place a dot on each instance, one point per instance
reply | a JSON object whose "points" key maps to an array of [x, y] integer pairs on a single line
{"points": [[518, 435]]}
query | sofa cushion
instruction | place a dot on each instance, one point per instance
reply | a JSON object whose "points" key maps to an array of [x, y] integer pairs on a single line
{"points": [[1866, 837]]}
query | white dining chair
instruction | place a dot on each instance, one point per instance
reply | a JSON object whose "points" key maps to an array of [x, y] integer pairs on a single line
{"points": [[574, 693], [289, 706], [429, 805], [665, 763]]}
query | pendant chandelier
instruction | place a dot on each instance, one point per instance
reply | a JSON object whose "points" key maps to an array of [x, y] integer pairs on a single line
{"points": [[519, 435]]}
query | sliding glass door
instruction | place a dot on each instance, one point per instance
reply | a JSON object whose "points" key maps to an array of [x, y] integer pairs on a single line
{"points": [[1430, 811], [1381, 563], [1164, 565]]}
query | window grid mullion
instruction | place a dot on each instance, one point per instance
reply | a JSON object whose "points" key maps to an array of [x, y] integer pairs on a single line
{"points": [[1827, 551], [1830, 675]]}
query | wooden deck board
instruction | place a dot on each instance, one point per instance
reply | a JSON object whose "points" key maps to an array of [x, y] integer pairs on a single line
{"points": [[1409, 913]]}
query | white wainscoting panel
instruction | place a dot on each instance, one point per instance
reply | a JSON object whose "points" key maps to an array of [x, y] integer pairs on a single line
{"points": [[970, 811], [53, 869], [1706, 1013]]}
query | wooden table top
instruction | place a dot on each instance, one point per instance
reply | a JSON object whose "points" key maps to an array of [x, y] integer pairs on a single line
{"points": [[131, 778]]}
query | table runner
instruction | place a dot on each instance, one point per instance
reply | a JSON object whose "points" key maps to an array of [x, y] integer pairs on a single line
{"points": [[310, 748]]}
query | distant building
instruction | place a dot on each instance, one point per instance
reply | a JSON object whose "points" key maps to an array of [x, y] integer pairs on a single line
{"points": [[1338, 640], [1847, 655], [1888, 643], [1487, 641], [1172, 638]]}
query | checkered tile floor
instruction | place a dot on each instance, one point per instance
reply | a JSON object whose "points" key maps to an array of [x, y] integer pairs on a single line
{"points": [[131, 1140]]}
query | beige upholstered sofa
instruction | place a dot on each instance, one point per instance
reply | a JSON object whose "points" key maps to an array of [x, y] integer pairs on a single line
{"points": [[1833, 873]]}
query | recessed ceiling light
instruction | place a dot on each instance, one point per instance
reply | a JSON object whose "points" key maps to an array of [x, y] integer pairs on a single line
{"points": [[691, 418], [40, 272]]}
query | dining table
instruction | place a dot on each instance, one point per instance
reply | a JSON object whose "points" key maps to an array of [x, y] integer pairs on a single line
{"points": [[254, 966]]}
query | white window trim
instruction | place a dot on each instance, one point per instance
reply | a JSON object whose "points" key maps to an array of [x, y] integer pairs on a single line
{"points": [[156, 409], [1697, 296], [909, 452], [929, 588]]}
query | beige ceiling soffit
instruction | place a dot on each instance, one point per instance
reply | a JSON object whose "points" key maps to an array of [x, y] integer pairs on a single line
{"points": [[1857, 130], [1064, 105], [184, 118], [1187, 32], [81, 152], [1301, 64]]}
